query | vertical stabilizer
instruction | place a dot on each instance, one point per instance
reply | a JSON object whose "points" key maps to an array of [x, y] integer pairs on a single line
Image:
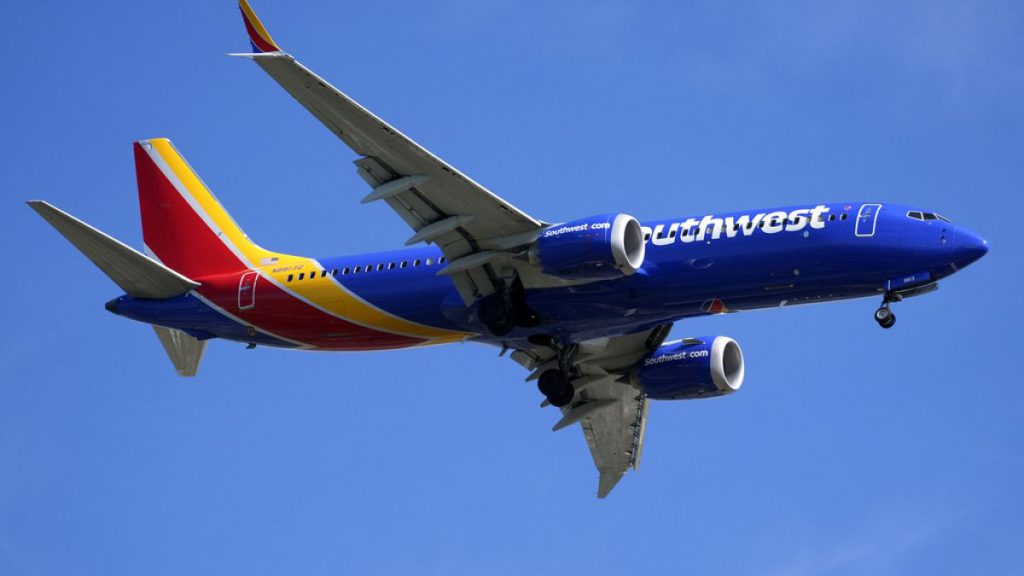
{"points": [[183, 224]]}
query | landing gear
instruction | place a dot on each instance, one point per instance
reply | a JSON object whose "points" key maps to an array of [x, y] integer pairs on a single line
{"points": [[506, 309], [885, 317], [493, 311], [554, 385]]}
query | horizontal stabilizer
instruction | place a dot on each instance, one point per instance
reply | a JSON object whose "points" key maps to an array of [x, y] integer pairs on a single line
{"points": [[137, 274], [185, 351]]}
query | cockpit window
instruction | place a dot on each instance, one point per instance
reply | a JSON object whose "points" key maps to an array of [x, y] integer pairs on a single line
{"points": [[924, 216]]}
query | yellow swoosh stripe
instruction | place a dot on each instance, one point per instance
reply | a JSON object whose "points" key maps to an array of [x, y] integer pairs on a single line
{"points": [[325, 293]]}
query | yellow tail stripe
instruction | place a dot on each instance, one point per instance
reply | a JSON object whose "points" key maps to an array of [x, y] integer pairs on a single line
{"points": [[325, 293]]}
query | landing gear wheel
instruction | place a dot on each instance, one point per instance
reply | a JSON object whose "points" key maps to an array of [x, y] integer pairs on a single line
{"points": [[885, 317], [493, 312], [554, 385]]}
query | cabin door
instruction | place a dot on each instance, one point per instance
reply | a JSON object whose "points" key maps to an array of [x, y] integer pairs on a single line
{"points": [[867, 219], [247, 290]]}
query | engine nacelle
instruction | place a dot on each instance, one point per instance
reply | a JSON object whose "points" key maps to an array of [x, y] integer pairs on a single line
{"points": [[595, 248], [692, 368]]}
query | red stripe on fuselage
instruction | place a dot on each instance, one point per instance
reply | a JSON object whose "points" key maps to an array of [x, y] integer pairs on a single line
{"points": [[182, 240], [283, 315]]}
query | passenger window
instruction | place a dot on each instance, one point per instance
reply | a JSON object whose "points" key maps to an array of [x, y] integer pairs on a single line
{"points": [[380, 267], [441, 260], [391, 265], [831, 217], [647, 236], [430, 261], [403, 264], [416, 262], [843, 217], [323, 274], [302, 275], [356, 270], [290, 276], [344, 271]]}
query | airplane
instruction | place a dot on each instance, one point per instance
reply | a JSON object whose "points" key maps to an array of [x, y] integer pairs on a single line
{"points": [[586, 306]]}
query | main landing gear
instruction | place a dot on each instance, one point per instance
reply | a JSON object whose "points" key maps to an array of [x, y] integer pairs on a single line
{"points": [[554, 384], [506, 309]]}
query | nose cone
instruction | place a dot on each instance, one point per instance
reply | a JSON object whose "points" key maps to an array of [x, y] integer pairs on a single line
{"points": [[969, 247]]}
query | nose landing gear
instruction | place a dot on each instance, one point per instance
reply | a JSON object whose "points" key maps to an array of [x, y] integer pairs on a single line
{"points": [[884, 316]]}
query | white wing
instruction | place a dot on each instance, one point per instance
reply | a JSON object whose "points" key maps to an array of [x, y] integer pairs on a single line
{"points": [[611, 412], [476, 230]]}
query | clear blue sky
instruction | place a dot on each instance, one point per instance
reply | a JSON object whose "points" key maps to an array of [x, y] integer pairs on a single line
{"points": [[849, 450]]}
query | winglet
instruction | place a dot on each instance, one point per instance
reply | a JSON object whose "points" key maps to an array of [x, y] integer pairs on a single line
{"points": [[258, 35]]}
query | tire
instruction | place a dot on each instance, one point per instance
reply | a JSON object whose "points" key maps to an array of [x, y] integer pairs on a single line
{"points": [[556, 388], [502, 327], [882, 315], [491, 309]]}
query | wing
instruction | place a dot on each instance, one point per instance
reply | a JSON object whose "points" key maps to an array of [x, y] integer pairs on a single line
{"points": [[611, 412], [473, 227]]}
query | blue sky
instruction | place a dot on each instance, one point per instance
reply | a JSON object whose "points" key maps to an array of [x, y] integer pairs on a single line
{"points": [[849, 450]]}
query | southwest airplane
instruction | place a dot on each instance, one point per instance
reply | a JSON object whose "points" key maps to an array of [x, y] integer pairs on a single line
{"points": [[584, 305]]}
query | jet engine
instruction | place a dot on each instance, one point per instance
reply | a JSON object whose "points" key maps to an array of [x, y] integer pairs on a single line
{"points": [[691, 368], [595, 248]]}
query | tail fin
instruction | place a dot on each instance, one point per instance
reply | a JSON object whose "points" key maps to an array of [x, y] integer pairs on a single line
{"points": [[183, 224], [134, 272]]}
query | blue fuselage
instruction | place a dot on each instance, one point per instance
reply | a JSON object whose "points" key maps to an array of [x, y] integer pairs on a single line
{"points": [[694, 266]]}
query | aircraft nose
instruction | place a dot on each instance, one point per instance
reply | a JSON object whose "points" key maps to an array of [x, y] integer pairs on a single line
{"points": [[969, 247]]}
